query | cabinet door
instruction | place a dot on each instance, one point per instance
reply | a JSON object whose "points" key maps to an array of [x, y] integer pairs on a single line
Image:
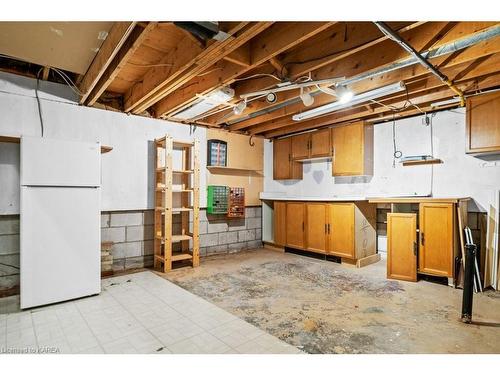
{"points": [[483, 123], [295, 214], [321, 143], [281, 161], [436, 239], [280, 223], [401, 246], [316, 226], [300, 146], [348, 150], [342, 230]]}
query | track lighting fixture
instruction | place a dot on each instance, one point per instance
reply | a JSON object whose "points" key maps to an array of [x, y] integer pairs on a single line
{"points": [[306, 97]]}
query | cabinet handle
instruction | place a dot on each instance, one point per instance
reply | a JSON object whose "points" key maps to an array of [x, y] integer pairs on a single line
{"points": [[422, 239], [289, 157], [415, 247], [328, 228], [303, 227]]}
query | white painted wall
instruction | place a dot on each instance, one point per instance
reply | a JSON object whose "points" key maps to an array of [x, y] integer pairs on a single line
{"points": [[459, 175], [127, 171]]}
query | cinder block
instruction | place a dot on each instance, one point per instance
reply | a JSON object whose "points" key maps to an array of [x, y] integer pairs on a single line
{"points": [[7, 282], [249, 212], [236, 224], [228, 237], [202, 227], [134, 262], [105, 218], [135, 233], [9, 264], [254, 244], [246, 235], [209, 239], [258, 211], [9, 244], [235, 247], [258, 234], [219, 249], [203, 251], [127, 249], [125, 219], [148, 261], [9, 224], [254, 222], [217, 227], [118, 264], [202, 216], [148, 247], [115, 235], [149, 217]]}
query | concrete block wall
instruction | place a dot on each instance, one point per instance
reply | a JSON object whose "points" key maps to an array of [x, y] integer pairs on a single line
{"points": [[132, 235], [9, 254]]}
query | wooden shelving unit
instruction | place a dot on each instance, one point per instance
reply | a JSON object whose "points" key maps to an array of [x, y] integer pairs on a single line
{"points": [[164, 252]]}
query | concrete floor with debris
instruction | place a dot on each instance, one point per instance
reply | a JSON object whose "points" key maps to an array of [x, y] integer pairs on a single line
{"points": [[324, 307]]}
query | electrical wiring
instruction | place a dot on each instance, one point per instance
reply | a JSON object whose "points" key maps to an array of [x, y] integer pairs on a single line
{"points": [[39, 105], [259, 75]]}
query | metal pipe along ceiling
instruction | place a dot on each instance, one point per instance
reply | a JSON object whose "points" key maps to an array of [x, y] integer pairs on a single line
{"points": [[445, 49], [395, 37]]}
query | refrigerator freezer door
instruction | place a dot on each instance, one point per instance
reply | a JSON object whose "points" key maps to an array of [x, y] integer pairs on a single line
{"points": [[53, 162], [60, 244]]}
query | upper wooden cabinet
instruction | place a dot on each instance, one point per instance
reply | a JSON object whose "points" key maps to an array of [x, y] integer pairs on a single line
{"points": [[312, 145], [284, 168], [352, 149], [483, 124]]}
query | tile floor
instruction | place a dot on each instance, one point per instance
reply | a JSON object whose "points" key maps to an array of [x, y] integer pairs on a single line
{"points": [[137, 313]]}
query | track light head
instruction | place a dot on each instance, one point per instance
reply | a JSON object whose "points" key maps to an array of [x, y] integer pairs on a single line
{"points": [[240, 107], [306, 97], [271, 97]]}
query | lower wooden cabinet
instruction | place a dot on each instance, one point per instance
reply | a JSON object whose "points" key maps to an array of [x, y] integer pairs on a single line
{"points": [[436, 252], [317, 226], [344, 229], [295, 225], [402, 246], [280, 223]]}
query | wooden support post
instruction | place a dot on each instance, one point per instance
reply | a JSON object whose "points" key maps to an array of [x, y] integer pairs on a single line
{"points": [[167, 201], [196, 204]]}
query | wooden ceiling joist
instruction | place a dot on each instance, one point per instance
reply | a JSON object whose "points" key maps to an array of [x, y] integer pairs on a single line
{"points": [[275, 40], [350, 67], [419, 99], [187, 61], [133, 42], [110, 47]]}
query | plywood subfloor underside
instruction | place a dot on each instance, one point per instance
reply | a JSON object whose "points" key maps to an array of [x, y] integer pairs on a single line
{"points": [[324, 307]]}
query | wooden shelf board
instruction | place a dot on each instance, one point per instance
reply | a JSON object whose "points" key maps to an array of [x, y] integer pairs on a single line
{"points": [[187, 171], [215, 168], [182, 256], [17, 139], [421, 162], [183, 144], [320, 158], [180, 237]]}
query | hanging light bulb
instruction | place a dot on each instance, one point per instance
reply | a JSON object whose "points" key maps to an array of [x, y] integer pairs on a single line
{"points": [[344, 94], [306, 96], [240, 107]]}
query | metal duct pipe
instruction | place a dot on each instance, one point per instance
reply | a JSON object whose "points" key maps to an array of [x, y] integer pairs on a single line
{"points": [[445, 49], [412, 51]]}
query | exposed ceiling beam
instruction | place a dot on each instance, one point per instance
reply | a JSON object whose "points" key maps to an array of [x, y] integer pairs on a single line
{"points": [[240, 56], [419, 99], [186, 61], [474, 52], [360, 37], [275, 40], [116, 38], [127, 50]]}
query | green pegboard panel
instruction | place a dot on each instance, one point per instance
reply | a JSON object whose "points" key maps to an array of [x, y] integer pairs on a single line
{"points": [[217, 199]]}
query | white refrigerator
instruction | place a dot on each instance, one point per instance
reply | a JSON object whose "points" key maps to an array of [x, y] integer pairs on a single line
{"points": [[60, 220]]}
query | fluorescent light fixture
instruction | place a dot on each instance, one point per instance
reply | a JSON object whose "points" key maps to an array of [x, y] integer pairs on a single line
{"points": [[356, 99], [344, 94], [206, 103], [445, 102]]}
